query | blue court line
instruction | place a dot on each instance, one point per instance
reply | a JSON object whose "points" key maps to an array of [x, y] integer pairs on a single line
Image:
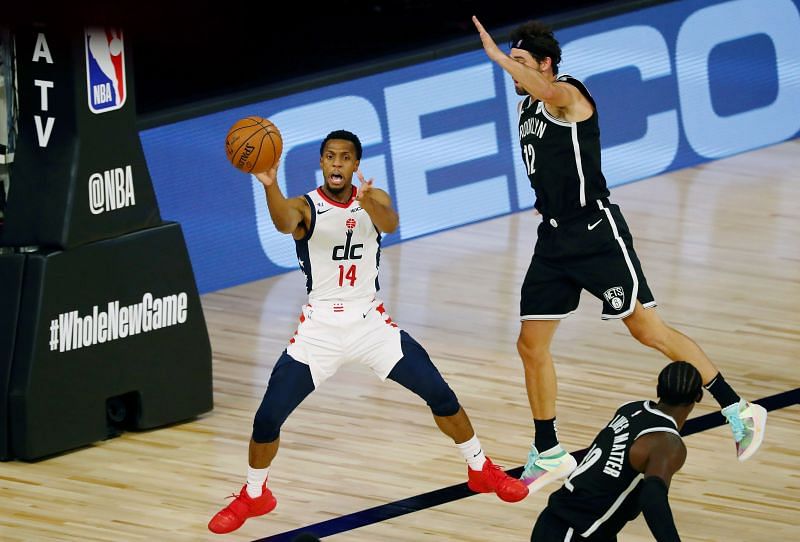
{"points": [[460, 491]]}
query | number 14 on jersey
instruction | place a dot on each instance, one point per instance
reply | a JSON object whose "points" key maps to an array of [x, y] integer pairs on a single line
{"points": [[349, 275]]}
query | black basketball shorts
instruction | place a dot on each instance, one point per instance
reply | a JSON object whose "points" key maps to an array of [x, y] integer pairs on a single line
{"points": [[591, 251], [551, 528]]}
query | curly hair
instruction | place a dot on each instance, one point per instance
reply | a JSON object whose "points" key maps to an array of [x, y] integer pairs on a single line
{"points": [[537, 38]]}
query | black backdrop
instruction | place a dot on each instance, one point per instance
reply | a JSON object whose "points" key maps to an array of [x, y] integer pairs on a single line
{"points": [[186, 52]]}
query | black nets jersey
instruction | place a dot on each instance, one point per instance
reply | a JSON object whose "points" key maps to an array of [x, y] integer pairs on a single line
{"points": [[602, 494], [562, 159]]}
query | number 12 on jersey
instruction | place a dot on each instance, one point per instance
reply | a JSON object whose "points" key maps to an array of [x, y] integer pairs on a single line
{"points": [[349, 275], [530, 158]]}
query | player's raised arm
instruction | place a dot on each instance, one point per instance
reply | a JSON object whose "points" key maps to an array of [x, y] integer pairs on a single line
{"points": [[529, 77], [377, 204], [288, 215]]}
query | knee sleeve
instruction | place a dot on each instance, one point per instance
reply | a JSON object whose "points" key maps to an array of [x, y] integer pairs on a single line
{"points": [[289, 383], [415, 371]]}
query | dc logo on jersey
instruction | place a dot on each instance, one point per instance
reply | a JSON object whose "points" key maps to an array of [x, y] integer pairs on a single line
{"points": [[105, 69], [615, 297], [348, 251]]}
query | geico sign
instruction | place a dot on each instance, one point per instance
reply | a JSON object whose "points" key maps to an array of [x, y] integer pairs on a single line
{"points": [[683, 58], [710, 134]]}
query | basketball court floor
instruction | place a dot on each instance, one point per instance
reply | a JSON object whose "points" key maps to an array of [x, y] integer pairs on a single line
{"points": [[720, 245]]}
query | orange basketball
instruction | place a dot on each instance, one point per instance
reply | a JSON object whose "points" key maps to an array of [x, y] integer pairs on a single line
{"points": [[253, 145]]}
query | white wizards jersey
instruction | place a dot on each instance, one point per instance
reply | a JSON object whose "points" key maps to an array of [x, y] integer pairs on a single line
{"points": [[340, 253]]}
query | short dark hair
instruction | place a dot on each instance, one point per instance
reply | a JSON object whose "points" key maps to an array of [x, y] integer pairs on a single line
{"points": [[537, 38], [345, 135], [679, 383]]}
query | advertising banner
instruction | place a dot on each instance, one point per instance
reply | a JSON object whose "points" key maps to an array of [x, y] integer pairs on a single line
{"points": [[676, 85]]}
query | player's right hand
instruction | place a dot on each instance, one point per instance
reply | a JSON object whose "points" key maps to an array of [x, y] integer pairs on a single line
{"points": [[365, 189], [268, 178], [489, 46]]}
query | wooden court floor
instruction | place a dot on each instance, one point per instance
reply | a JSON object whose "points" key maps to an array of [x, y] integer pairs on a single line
{"points": [[720, 245]]}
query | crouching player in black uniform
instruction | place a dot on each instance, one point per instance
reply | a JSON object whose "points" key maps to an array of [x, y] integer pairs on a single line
{"points": [[628, 468]]}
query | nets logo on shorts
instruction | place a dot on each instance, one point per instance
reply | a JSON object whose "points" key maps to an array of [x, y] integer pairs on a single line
{"points": [[105, 69], [615, 297]]}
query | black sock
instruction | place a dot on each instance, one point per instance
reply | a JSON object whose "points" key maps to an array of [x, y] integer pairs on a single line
{"points": [[722, 391], [545, 436]]}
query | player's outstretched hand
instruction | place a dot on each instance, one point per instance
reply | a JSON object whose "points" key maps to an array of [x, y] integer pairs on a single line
{"points": [[269, 177], [365, 188], [491, 48]]}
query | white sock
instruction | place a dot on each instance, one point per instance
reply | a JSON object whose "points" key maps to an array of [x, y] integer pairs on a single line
{"points": [[473, 453], [256, 479]]}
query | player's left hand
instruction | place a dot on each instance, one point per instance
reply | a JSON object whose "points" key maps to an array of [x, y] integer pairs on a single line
{"points": [[489, 45], [365, 188]]}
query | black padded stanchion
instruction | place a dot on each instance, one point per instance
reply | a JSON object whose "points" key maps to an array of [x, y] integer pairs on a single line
{"points": [[111, 336], [101, 327], [79, 173], [11, 270]]}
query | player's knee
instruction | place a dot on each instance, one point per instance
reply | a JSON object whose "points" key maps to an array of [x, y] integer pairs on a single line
{"points": [[532, 354], [267, 425], [652, 338], [443, 402], [649, 335], [289, 383], [647, 328], [416, 372]]}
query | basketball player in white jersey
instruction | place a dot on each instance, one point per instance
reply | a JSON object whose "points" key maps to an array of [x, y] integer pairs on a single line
{"points": [[337, 230]]}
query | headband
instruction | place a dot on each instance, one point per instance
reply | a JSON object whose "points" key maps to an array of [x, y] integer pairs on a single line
{"points": [[533, 47]]}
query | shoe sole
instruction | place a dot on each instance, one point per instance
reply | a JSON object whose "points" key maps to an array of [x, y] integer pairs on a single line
{"points": [[560, 473], [267, 511], [482, 489], [514, 499], [759, 427]]}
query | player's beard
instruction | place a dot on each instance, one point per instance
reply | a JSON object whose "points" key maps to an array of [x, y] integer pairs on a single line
{"points": [[337, 191]]}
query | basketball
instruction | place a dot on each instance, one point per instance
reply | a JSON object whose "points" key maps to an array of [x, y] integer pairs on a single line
{"points": [[253, 145]]}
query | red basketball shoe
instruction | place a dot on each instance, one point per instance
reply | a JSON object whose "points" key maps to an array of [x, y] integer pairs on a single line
{"points": [[491, 479], [243, 506]]}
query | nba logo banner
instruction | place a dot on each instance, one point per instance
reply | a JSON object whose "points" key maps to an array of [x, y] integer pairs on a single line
{"points": [[105, 69]]}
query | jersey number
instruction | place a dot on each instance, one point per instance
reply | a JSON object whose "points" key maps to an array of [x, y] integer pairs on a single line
{"points": [[349, 275], [530, 157], [591, 458]]}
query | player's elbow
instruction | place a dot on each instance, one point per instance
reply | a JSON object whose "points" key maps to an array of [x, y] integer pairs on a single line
{"points": [[555, 96], [284, 226], [548, 95], [391, 225]]}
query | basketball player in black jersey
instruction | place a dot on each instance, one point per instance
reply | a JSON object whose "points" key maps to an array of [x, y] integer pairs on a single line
{"points": [[583, 243], [627, 469]]}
